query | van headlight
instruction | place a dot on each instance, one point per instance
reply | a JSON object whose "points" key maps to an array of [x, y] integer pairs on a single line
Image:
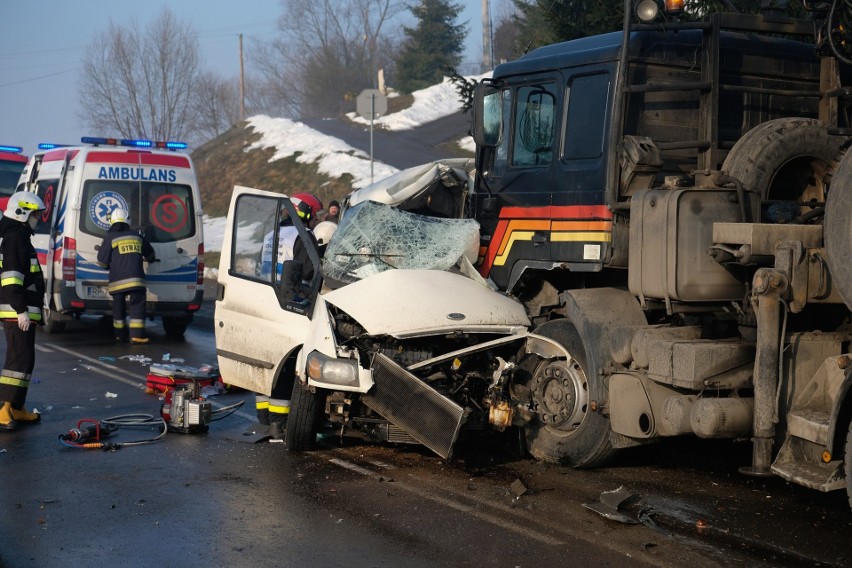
{"points": [[325, 369]]}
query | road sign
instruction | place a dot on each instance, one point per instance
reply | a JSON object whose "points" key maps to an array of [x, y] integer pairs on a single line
{"points": [[371, 104]]}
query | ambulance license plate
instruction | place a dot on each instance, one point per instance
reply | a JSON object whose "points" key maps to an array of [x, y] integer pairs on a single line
{"points": [[97, 292]]}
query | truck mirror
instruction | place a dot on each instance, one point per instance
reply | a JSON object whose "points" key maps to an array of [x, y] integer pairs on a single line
{"points": [[487, 116]]}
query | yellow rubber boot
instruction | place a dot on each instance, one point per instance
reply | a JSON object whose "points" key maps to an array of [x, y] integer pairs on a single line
{"points": [[6, 420], [24, 415]]}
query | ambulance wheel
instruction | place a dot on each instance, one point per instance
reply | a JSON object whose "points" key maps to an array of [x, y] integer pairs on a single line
{"points": [[305, 412], [51, 325], [176, 326], [566, 430], [787, 161]]}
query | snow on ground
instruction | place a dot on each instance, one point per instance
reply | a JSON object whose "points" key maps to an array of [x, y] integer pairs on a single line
{"points": [[333, 156]]}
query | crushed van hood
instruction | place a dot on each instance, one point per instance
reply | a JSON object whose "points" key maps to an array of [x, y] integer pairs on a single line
{"points": [[405, 303]]}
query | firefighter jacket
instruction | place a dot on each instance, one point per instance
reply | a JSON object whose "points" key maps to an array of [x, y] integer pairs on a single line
{"points": [[122, 252], [21, 280]]}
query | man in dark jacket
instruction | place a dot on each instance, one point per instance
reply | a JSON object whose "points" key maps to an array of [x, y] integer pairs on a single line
{"points": [[21, 301], [122, 252]]}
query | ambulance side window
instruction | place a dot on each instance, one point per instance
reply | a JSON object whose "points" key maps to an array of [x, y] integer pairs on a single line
{"points": [[255, 220]]}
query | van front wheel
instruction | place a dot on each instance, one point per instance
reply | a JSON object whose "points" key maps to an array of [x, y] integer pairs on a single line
{"points": [[176, 326]]}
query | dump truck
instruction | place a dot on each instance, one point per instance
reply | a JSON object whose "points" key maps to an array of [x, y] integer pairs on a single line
{"points": [[671, 204]]}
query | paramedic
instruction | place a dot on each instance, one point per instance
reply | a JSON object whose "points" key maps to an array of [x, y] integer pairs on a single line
{"points": [[21, 300], [292, 265], [122, 252]]}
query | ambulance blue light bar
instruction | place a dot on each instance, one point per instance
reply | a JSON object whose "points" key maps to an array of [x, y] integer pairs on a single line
{"points": [[12, 149], [50, 146], [133, 143]]}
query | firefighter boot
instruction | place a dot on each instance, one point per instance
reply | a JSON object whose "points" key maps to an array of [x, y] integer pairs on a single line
{"points": [[278, 427], [6, 420], [24, 416]]}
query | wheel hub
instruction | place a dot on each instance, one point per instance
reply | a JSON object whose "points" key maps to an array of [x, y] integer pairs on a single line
{"points": [[560, 394]]}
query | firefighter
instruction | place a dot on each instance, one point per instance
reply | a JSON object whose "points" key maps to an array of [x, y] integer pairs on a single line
{"points": [[292, 264], [122, 252], [21, 300]]}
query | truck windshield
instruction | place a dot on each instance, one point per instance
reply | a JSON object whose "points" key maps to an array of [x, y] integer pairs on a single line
{"points": [[164, 212], [374, 237]]}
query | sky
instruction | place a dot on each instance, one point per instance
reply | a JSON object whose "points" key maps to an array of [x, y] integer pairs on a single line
{"points": [[43, 42]]}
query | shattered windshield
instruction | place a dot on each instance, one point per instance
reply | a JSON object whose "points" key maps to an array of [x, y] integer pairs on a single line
{"points": [[373, 237]]}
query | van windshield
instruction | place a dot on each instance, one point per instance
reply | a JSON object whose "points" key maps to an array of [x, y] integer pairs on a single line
{"points": [[164, 212]]}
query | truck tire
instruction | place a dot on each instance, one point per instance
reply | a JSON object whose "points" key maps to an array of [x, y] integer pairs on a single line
{"points": [[787, 160], [838, 229], [847, 464], [303, 423], [566, 430]]}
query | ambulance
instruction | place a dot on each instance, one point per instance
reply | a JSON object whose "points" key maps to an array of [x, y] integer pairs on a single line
{"points": [[80, 186], [12, 162]]}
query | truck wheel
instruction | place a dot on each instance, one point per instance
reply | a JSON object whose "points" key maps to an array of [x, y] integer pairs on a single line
{"points": [[176, 326], [51, 325], [303, 423], [567, 431], [847, 464], [785, 160], [838, 229]]}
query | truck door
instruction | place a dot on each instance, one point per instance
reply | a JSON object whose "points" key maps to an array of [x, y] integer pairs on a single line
{"points": [[257, 328]]}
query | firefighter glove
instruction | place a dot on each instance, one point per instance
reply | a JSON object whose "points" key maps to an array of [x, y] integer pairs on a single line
{"points": [[24, 321]]}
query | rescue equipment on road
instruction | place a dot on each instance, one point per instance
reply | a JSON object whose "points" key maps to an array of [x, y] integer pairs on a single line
{"points": [[163, 377]]}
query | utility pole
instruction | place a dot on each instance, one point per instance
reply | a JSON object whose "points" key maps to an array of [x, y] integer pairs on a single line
{"points": [[242, 84], [487, 64]]}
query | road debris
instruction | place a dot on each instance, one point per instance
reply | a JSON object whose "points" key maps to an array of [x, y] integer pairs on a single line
{"points": [[609, 506]]}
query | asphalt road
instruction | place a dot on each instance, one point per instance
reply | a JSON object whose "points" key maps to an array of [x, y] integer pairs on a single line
{"points": [[401, 148], [219, 499]]}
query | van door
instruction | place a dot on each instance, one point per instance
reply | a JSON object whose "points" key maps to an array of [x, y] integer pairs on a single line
{"points": [[257, 328]]}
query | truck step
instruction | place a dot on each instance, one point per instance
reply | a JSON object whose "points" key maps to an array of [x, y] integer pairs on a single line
{"points": [[809, 424], [799, 462]]}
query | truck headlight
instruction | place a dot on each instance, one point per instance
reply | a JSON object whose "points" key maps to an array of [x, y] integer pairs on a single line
{"points": [[325, 369]]}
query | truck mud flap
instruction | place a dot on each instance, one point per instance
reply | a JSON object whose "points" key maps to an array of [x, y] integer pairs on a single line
{"points": [[414, 406]]}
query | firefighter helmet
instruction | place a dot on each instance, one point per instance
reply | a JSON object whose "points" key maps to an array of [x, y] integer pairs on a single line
{"points": [[324, 231], [119, 215], [312, 200], [303, 209], [21, 204]]}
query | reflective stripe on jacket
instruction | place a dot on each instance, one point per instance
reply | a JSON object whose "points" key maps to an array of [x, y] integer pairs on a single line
{"points": [[122, 252], [21, 279]]}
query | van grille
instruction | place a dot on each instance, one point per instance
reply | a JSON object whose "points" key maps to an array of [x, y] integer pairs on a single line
{"points": [[414, 406]]}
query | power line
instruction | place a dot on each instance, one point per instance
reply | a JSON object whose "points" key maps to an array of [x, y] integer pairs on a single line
{"points": [[30, 80]]}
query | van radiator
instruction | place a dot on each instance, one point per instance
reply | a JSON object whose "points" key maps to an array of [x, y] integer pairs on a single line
{"points": [[414, 406]]}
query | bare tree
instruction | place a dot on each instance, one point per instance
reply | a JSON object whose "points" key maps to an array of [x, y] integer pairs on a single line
{"points": [[139, 83], [217, 105], [329, 49]]}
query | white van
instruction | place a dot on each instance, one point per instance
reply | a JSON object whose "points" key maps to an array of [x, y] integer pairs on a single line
{"points": [[81, 185]]}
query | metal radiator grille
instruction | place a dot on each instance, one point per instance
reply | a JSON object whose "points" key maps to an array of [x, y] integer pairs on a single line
{"points": [[414, 406]]}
